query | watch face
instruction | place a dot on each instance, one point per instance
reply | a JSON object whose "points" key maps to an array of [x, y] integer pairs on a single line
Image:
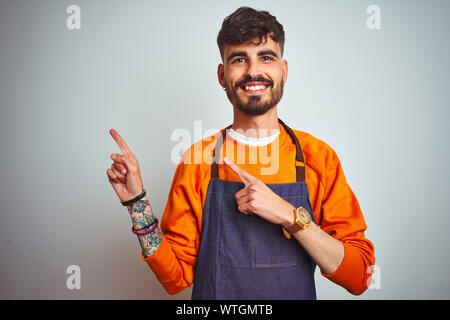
{"points": [[304, 215]]}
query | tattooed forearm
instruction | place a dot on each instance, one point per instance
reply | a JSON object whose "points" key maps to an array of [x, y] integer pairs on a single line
{"points": [[141, 213], [150, 242], [142, 216]]}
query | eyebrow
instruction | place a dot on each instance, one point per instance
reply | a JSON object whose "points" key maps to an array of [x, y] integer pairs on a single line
{"points": [[244, 54], [267, 53]]}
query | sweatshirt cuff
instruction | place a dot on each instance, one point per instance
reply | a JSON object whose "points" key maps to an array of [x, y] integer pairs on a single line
{"points": [[162, 262], [158, 261], [350, 273]]}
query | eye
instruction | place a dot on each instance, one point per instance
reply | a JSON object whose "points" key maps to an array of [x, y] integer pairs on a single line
{"points": [[238, 60], [267, 58]]}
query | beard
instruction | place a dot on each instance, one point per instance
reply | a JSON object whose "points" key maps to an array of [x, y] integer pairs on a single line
{"points": [[259, 104]]}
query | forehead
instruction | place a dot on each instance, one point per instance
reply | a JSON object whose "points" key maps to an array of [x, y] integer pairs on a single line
{"points": [[253, 47]]}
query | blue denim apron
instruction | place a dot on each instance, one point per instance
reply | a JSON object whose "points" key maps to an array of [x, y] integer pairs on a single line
{"points": [[244, 257]]}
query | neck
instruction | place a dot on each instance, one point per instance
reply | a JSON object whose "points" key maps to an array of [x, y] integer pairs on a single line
{"points": [[256, 126]]}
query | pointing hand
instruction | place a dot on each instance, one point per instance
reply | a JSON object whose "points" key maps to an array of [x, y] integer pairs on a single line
{"points": [[259, 199], [124, 174]]}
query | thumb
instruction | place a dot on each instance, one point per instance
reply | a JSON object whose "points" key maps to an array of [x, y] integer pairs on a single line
{"points": [[246, 177], [123, 160]]}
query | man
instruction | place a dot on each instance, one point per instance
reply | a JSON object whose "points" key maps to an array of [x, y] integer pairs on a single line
{"points": [[230, 228]]}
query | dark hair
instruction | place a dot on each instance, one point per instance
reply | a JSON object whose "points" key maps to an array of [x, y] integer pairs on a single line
{"points": [[246, 24]]}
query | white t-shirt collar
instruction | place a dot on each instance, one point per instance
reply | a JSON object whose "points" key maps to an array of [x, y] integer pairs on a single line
{"points": [[253, 141]]}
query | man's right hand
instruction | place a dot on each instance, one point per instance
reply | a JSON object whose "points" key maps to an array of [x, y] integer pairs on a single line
{"points": [[124, 174]]}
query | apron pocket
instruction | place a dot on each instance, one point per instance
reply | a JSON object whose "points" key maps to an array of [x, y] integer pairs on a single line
{"points": [[269, 247], [234, 230]]}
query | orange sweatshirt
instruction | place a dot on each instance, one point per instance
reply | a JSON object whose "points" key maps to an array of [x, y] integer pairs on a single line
{"points": [[336, 209]]}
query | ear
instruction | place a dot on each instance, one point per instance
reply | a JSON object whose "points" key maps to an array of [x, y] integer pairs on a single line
{"points": [[285, 70], [220, 75]]}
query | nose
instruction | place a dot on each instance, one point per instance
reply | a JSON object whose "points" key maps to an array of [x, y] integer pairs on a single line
{"points": [[252, 69]]}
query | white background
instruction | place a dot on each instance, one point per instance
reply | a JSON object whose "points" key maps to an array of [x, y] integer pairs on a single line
{"points": [[379, 98]]}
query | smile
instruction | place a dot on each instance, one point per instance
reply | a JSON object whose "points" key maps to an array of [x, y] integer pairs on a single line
{"points": [[253, 88]]}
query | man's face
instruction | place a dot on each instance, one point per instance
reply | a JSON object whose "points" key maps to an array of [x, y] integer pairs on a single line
{"points": [[253, 75]]}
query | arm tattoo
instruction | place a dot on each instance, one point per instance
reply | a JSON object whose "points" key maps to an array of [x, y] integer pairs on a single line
{"points": [[142, 215]]}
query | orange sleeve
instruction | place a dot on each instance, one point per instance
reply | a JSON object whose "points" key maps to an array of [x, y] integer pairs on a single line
{"points": [[174, 261], [342, 218]]}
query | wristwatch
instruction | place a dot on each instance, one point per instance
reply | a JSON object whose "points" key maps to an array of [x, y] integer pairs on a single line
{"points": [[302, 221]]}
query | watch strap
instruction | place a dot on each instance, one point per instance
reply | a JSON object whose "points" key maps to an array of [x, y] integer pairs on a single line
{"points": [[293, 228]]}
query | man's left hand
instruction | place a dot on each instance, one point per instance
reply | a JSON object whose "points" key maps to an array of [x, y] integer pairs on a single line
{"points": [[259, 199]]}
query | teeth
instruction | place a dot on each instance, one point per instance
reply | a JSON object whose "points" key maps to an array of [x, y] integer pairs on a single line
{"points": [[254, 87]]}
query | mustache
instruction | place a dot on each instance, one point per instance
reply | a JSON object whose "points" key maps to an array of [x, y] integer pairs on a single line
{"points": [[250, 79]]}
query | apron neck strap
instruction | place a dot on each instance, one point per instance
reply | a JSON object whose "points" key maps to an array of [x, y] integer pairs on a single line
{"points": [[299, 159], [216, 154]]}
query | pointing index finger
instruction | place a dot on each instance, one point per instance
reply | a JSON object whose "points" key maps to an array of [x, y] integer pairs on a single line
{"points": [[241, 173], [120, 142]]}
